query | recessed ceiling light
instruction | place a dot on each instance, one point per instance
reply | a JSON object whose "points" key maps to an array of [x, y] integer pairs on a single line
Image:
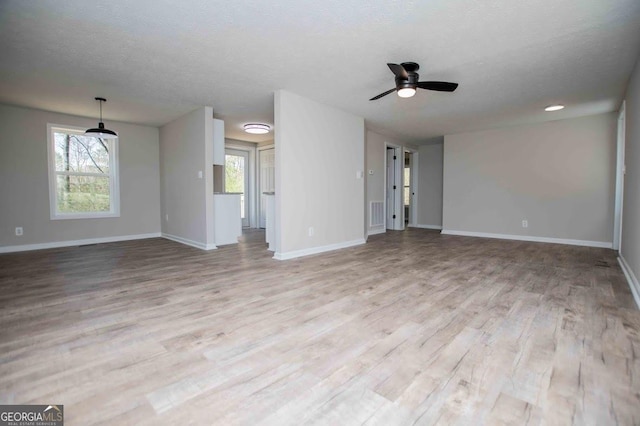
{"points": [[406, 92], [554, 108], [257, 128]]}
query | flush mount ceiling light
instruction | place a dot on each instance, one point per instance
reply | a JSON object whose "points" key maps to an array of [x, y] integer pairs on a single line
{"points": [[100, 131], [257, 128], [551, 108]]}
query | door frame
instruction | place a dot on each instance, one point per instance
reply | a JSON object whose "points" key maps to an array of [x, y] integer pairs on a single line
{"points": [[620, 172], [258, 183], [413, 187], [251, 179], [398, 223]]}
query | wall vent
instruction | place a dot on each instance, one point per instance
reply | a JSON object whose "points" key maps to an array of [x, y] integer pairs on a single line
{"points": [[376, 214]]}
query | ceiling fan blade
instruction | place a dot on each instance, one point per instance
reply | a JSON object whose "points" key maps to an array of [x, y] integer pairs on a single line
{"points": [[440, 86], [383, 94], [398, 70]]}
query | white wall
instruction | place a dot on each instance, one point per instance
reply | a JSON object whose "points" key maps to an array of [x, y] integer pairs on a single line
{"points": [[24, 186], [630, 249], [186, 148], [376, 152], [558, 175], [319, 150], [430, 184]]}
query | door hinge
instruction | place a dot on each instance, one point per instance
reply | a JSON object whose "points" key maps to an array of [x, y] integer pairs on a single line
{"points": [[394, 216], [394, 157], [394, 187]]}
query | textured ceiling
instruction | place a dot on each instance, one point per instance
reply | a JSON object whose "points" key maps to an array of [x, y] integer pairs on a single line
{"points": [[156, 60]]}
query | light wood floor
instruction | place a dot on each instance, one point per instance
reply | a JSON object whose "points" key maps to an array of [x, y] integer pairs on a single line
{"points": [[411, 328]]}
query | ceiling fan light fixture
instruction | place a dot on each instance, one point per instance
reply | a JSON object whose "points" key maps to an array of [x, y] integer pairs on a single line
{"points": [[257, 128], [551, 108], [101, 131], [406, 92]]}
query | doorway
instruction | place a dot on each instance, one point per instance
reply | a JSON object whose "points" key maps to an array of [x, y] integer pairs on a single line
{"points": [[236, 179], [407, 195]]}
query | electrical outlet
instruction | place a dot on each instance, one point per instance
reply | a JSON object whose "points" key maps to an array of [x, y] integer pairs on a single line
{"points": [[311, 231], [525, 223], [199, 174], [19, 231]]}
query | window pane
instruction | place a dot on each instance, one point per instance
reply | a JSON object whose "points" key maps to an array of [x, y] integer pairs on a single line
{"points": [[234, 173], [77, 153], [82, 194], [407, 196]]}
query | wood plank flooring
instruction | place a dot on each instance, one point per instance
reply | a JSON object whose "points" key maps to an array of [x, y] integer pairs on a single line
{"points": [[412, 328]]}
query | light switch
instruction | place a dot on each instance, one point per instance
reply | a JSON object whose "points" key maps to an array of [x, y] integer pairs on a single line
{"points": [[359, 174], [199, 174]]}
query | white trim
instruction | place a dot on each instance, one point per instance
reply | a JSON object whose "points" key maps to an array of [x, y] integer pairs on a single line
{"points": [[634, 285], [438, 227], [58, 244], [620, 170], [316, 250], [196, 244], [376, 231], [601, 244]]}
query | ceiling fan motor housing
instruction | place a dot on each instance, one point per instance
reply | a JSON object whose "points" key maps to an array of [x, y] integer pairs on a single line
{"points": [[412, 81]]}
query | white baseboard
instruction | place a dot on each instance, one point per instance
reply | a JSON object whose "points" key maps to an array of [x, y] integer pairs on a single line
{"points": [[438, 227], [634, 285], [600, 244], [316, 250], [188, 242], [73, 243], [376, 231]]}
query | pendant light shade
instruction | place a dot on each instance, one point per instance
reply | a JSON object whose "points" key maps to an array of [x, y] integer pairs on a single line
{"points": [[101, 131]]}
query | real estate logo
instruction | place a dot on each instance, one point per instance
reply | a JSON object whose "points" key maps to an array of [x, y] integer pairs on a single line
{"points": [[31, 415]]}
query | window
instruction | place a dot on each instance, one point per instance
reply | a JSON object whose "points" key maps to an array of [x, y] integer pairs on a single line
{"points": [[83, 174]]}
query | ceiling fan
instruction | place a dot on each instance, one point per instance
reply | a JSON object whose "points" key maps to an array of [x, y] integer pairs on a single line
{"points": [[407, 81]]}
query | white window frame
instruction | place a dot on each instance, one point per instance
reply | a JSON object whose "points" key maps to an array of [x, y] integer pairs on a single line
{"points": [[114, 182]]}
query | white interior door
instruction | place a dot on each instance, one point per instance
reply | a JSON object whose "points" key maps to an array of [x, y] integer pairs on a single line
{"points": [[236, 179], [267, 161], [392, 189]]}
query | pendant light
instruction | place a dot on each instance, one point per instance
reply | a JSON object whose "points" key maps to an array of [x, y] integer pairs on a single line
{"points": [[100, 131]]}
